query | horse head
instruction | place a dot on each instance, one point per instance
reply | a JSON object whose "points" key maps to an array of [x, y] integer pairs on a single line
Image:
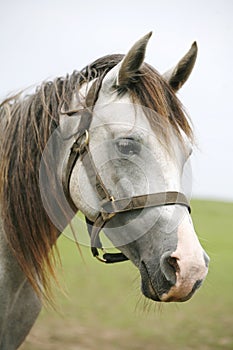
{"points": [[139, 143]]}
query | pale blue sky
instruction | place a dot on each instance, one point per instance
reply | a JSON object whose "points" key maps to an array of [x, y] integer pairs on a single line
{"points": [[44, 39]]}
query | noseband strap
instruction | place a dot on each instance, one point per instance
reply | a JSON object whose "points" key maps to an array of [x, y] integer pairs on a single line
{"points": [[109, 206], [143, 201]]}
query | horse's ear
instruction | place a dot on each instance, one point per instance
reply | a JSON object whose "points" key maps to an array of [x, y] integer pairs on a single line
{"points": [[178, 75], [132, 62]]}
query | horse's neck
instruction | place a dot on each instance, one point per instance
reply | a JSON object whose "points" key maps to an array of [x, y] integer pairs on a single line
{"points": [[8, 263], [19, 305]]}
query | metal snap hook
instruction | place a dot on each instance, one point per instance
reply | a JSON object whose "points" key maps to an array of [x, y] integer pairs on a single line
{"points": [[100, 258]]}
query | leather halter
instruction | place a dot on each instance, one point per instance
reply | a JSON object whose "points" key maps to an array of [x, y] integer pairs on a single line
{"points": [[109, 205]]}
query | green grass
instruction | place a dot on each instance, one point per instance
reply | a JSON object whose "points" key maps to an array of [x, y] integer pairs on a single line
{"points": [[105, 309]]}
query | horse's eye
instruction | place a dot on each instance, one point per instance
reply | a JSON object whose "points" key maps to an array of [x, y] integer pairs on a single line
{"points": [[128, 147]]}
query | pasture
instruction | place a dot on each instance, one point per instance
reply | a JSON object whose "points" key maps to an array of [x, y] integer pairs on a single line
{"points": [[104, 308]]}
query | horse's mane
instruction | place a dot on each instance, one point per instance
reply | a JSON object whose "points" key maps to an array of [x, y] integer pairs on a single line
{"points": [[26, 125]]}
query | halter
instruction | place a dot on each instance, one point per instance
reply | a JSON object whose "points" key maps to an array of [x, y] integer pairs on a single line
{"points": [[110, 206]]}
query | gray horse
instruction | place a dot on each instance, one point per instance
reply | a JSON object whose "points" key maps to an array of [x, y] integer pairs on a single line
{"points": [[111, 141]]}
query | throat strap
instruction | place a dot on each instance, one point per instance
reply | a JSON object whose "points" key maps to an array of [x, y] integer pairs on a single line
{"points": [[108, 258]]}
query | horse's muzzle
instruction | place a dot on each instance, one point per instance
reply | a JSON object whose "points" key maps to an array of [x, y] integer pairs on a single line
{"points": [[174, 280]]}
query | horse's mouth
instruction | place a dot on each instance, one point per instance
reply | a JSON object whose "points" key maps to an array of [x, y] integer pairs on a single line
{"points": [[146, 287], [160, 292]]}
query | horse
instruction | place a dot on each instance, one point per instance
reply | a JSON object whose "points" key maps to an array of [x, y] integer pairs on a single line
{"points": [[111, 141]]}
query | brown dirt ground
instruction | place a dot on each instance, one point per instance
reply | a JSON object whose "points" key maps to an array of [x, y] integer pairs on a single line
{"points": [[59, 335]]}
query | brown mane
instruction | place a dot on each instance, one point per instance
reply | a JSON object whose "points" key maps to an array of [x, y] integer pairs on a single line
{"points": [[26, 125]]}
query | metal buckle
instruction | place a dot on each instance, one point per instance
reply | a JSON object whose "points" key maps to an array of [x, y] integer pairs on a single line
{"points": [[80, 144], [105, 215]]}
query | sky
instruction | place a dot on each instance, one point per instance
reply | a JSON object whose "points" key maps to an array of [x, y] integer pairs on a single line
{"points": [[43, 39]]}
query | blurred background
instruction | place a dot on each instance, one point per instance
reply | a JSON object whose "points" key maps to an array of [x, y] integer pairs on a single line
{"points": [[44, 39]]}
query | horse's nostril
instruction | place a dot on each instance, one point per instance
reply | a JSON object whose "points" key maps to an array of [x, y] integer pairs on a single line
{"points": [[197, 285], [173, 263], [169, 267]]}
